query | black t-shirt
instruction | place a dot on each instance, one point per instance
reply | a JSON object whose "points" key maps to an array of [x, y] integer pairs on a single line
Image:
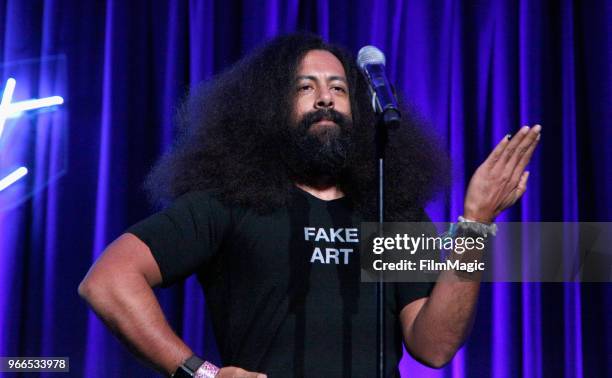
{"points": [[283, 290]]}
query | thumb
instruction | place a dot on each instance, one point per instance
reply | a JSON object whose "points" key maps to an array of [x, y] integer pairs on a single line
{"points": [[522, 185]]}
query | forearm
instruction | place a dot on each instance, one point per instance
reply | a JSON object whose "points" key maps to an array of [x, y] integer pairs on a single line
{"points": [[436, 330], [445, 320], [128, 306]]}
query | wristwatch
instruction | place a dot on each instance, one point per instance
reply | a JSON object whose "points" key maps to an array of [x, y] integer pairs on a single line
{"points": [[479, 228], [188, 368]]}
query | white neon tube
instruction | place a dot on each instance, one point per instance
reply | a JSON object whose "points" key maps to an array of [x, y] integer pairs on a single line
{"points": [[7, 96], [13, 177], [16, 108]]}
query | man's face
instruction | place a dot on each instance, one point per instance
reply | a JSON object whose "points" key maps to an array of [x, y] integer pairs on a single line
{"points": [[321, 85], [320, 138]]}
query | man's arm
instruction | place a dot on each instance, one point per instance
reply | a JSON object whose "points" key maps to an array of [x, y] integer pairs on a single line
{"points": [[118, 288], [434, 328]]}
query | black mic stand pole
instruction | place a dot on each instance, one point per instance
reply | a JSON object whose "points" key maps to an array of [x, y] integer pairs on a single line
{"points": [[387, 119], [381, 144]]}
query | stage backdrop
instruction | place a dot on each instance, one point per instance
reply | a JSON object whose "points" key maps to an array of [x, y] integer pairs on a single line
{"points": [[476, 69]]}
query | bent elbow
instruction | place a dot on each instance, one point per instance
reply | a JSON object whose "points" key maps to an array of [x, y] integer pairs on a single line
{"points": [[440, 361], [84, 289], [89, 289], [436, 359]]}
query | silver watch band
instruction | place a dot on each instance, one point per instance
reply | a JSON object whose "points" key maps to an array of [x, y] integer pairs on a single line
{"points": [[477, 227]]}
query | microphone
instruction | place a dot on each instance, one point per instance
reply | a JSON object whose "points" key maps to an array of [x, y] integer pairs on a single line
{"points": [[371, 61]]}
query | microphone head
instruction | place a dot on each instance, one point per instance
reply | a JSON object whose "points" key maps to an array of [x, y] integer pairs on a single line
{"points": [[370, 55]]}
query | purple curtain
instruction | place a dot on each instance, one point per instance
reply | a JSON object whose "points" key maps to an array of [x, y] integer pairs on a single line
{"points": [[475, 69]]}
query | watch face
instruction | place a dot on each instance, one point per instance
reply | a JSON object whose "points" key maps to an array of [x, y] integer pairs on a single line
{"points": [[188, 368]]}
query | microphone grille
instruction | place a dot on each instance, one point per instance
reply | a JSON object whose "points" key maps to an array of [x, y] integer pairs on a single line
{"points": [[370, 55]]}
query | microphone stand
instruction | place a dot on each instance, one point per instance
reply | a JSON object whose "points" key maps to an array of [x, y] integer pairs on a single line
{"points": [[371, 61], [381, 144]]}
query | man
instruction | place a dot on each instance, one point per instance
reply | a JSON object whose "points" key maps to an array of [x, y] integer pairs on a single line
{"points": [[273, 173]]}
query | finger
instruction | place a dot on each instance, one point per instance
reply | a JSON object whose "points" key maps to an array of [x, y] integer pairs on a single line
{"points": [[241, 373], [521, 149], [498, 150], [524, 145], [511, 148], [516, 193], [522, 185], [248, 374], [520, 167]]}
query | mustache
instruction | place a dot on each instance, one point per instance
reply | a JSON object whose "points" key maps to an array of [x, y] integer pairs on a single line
{"points": [[315, 116]]}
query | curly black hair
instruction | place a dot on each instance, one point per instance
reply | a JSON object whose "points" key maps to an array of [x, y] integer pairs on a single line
{"points": [[231, 127]]}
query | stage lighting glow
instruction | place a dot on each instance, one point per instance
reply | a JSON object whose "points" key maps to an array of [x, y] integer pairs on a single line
{"points": [[7, 96], [15, 109], [13, 177], [9, 109]]}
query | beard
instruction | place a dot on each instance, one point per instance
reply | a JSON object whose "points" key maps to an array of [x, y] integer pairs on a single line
{"points": [[313, 152]]}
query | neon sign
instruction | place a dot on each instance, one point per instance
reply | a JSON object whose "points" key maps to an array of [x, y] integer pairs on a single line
{"points": [[9, 109]]}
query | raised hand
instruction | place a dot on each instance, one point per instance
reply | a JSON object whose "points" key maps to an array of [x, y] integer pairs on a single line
{"points": [[501, 180]]}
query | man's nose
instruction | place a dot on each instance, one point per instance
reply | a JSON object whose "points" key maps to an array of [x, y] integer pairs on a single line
{"points": [[324, 100]]}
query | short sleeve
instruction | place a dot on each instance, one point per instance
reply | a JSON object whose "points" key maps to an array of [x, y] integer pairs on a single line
{"points": [[407, 292], [184, 236]]}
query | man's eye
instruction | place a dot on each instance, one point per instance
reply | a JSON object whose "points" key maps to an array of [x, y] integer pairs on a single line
{"points": [[304, 88], [339, 89]]}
